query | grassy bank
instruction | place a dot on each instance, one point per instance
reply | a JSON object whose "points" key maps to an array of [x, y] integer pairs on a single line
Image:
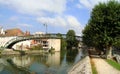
{"points": [[94, 71], [114, 64]]}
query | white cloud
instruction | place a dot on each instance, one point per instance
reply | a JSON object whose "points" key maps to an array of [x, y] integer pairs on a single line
{"points": [[74, 24], [13, 18], [38, 7], [56, 21], [86, 3], [89, 3], [72, 21], [24, 25], [79, 5], [67, 22]]}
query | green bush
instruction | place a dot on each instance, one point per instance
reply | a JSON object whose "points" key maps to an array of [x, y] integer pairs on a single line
{"points": [[52, 49], [37, 47]]}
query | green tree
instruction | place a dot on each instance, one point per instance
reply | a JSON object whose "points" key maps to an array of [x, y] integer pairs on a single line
{"points": [[103, 28], [59, 35], [71, 39], [63, 41]]}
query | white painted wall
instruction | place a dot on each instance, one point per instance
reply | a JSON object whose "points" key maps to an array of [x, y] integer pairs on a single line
{"points": [[2, 31], [23, 43], [55, 43]]}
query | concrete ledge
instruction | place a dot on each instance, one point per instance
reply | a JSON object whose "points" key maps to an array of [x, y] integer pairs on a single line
{"points": [[82, 67], [11, 52]]}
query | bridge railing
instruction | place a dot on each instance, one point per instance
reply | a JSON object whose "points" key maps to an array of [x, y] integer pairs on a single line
{"points": [[21, 38], [39, 36]]}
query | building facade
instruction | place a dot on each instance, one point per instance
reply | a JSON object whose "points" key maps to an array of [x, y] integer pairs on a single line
{"points": [[47, 44], [2, 32]]}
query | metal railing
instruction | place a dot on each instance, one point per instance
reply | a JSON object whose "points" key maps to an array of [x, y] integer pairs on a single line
{"points": [[22, 38], [38, 36]]}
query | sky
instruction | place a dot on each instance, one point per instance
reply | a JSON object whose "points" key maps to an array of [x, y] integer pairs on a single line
{"points": [[59, 15]]}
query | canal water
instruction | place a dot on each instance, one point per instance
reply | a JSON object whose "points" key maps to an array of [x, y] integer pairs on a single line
{"points": [[44, 63]]}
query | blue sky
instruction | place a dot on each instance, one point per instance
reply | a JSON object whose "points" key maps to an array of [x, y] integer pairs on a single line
{"points": [[59, 15]]}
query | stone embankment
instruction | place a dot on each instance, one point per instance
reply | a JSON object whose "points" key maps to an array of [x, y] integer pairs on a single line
{"points": [[12, 52], [8, 52], [82, 67]]}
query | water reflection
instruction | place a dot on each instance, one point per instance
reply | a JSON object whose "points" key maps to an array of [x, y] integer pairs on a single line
{"points": [[44, 63], [23, 61], [71, 54]]}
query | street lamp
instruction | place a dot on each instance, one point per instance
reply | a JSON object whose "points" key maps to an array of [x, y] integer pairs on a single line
{"points": [[45, 27]]}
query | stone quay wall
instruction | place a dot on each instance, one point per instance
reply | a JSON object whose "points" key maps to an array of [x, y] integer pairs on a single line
{"points": [[82, 67]]}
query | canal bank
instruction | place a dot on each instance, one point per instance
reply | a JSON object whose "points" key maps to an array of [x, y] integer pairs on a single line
{"points": [[19, 52], [82, 67]]}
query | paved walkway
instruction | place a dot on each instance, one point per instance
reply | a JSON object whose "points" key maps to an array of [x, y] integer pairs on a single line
{"points": [[103, 67]]}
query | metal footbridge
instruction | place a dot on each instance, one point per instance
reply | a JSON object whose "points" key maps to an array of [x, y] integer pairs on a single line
{"points": [[43, 36]]}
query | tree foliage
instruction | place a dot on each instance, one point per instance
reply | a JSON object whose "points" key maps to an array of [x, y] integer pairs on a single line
{"points": [[103, 28], [71, 39], [59, 35], [63, 41]]}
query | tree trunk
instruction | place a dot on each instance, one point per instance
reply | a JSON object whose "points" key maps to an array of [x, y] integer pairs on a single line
{"points": [[109, 53]]}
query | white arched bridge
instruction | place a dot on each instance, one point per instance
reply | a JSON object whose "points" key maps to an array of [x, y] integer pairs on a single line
{"points": [[8, 42]]}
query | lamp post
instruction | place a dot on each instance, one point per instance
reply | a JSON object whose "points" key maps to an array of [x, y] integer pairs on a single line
{"points": [[45, 27]]}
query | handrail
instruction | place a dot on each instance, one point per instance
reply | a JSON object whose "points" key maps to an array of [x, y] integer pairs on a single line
{"points": [[20, 38]]}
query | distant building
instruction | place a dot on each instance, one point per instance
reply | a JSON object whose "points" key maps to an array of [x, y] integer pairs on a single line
{"points": [[39, 33], [27, 33], [2, 32], [49, 43], [14, 32]]}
